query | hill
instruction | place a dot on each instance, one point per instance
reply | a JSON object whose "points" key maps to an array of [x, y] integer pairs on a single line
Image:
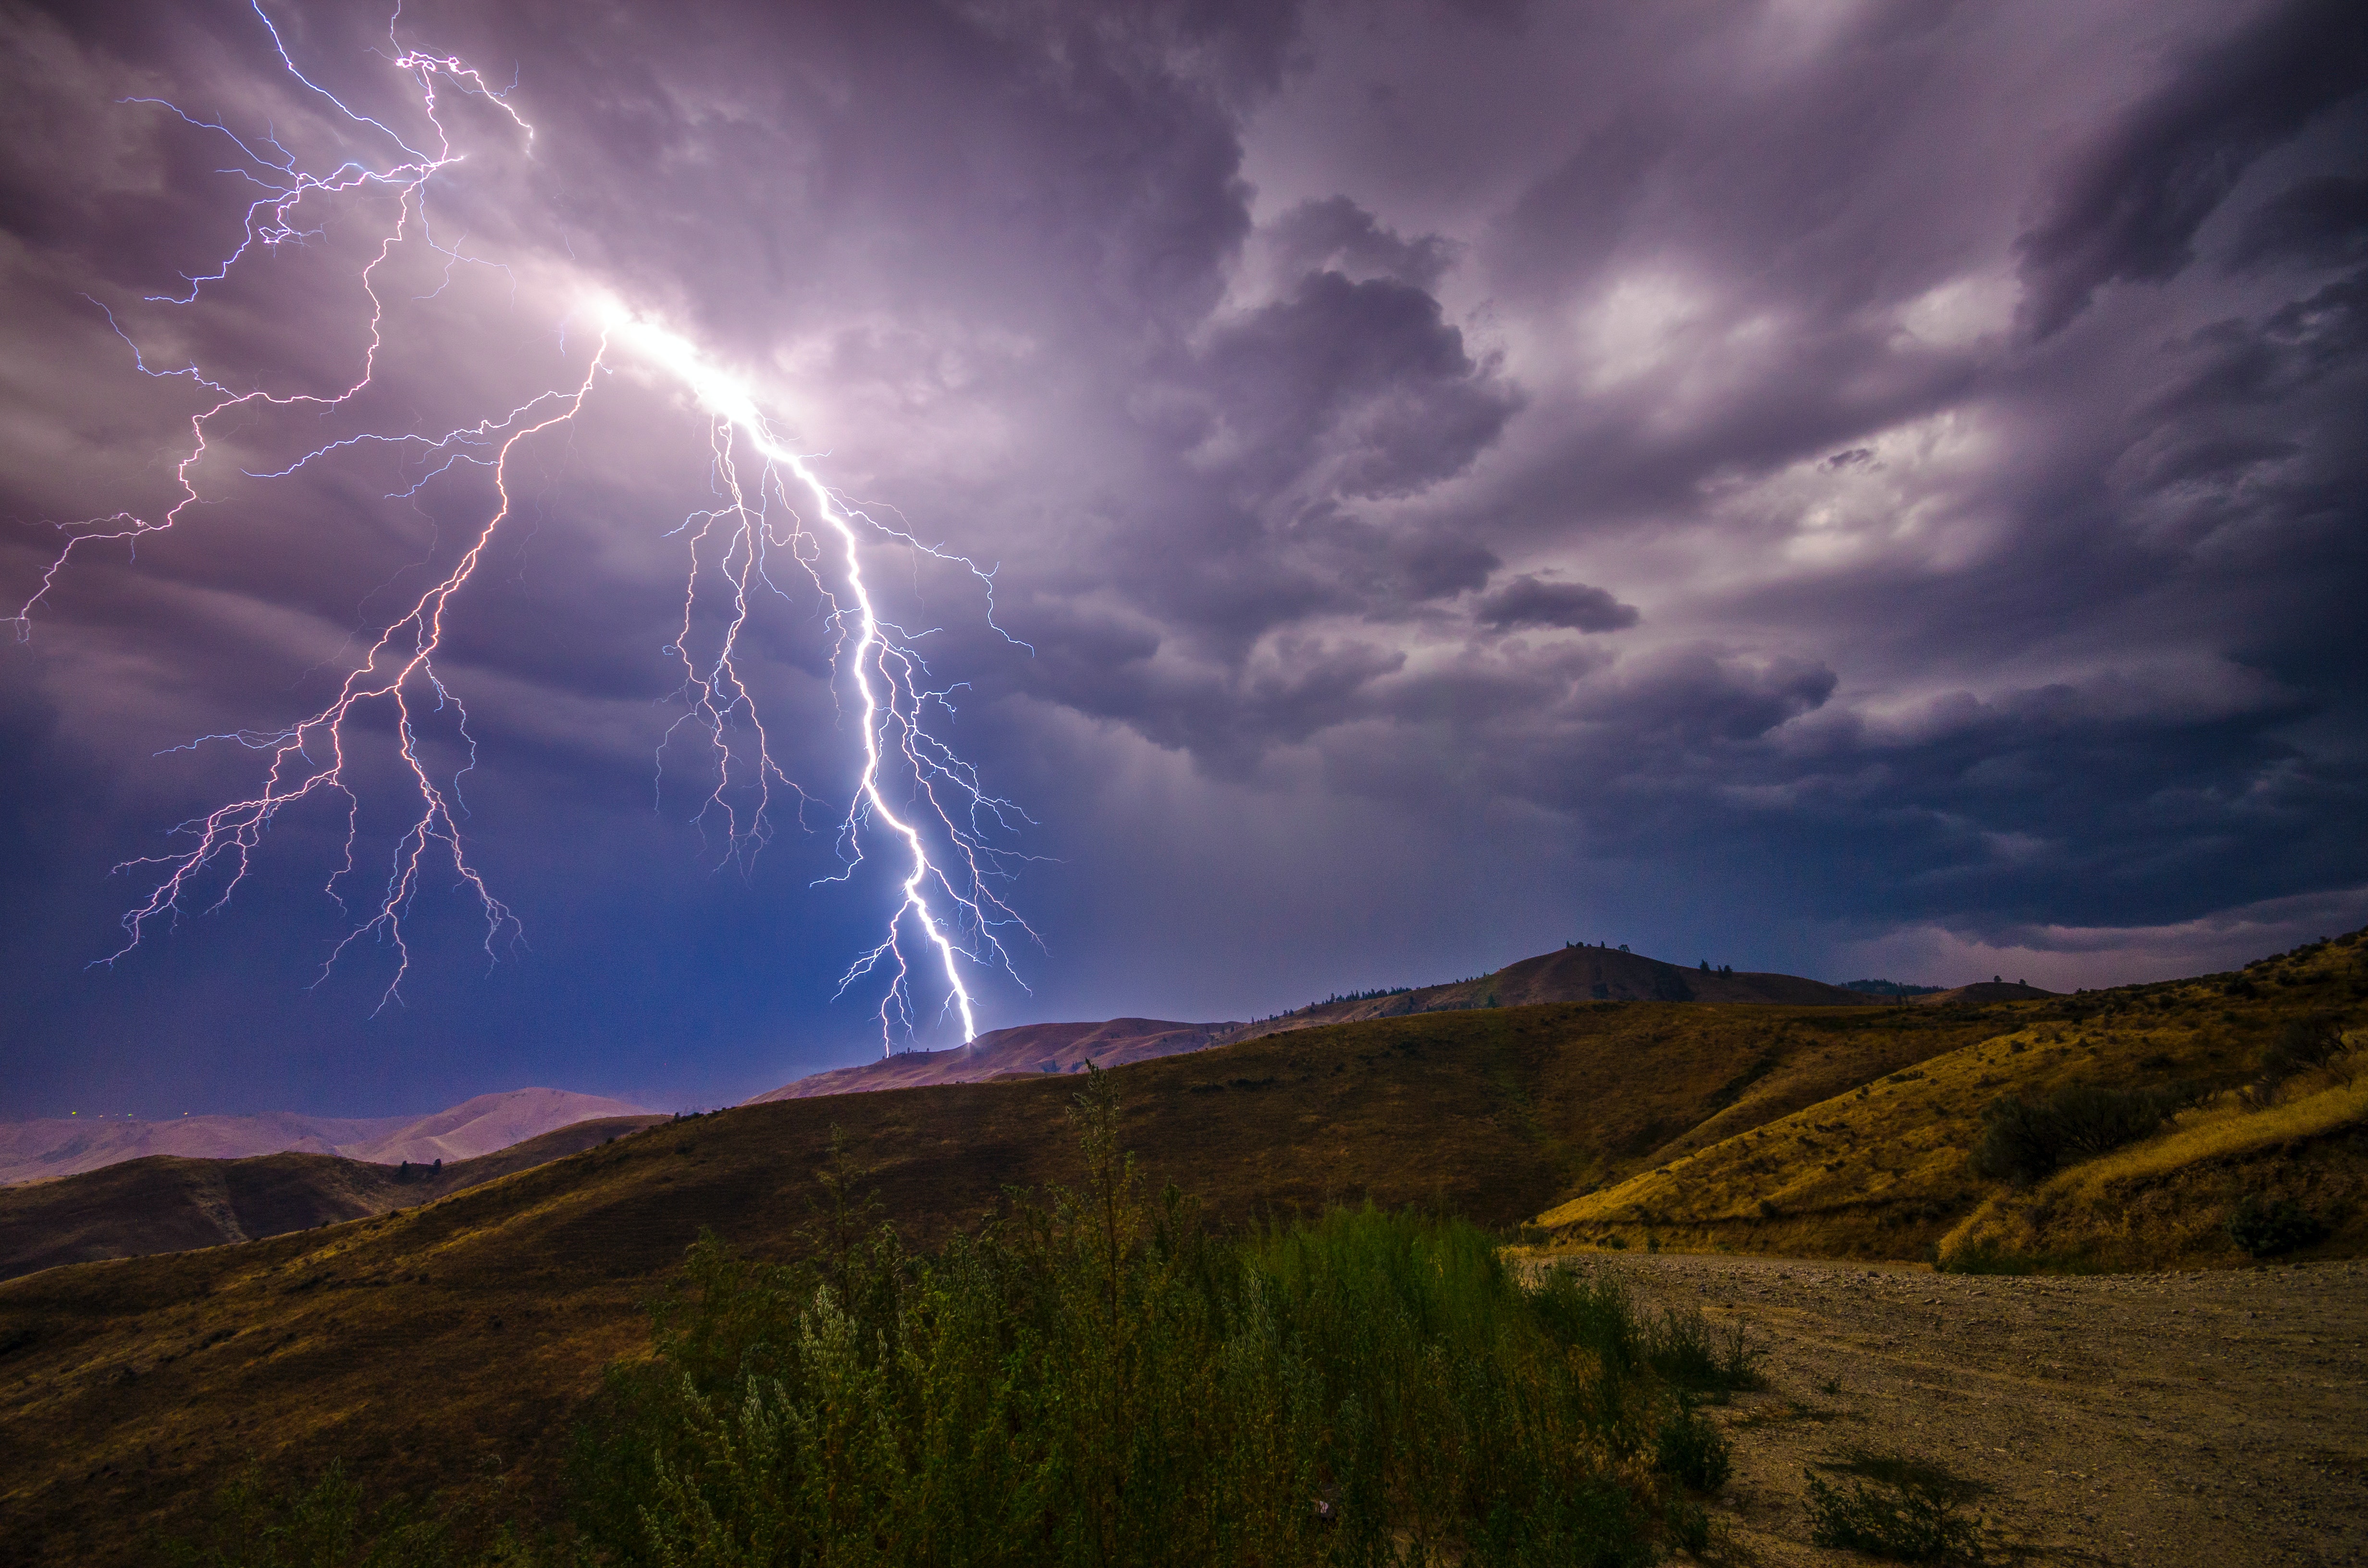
{"points": [[1572, 974], [2255, 1070], [1028, 1048], [166, 1203], [128, 1389], [57, 1146]]}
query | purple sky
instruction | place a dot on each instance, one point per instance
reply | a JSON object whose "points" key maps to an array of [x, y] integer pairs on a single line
{"points": [[1852, 489]]}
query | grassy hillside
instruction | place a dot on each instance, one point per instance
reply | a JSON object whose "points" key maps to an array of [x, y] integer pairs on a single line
{"points": [[449, 1343], [1888, 1168], [167, 1203]]}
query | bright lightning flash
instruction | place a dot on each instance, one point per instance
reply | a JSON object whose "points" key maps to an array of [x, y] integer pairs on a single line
{"points": [[772, 506]]}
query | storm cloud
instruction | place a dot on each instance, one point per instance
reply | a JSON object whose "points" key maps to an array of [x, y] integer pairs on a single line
{"points": [[1826, 488]]}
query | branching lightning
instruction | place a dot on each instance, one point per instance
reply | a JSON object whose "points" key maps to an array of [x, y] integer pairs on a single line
{"points": [[772, 512]]}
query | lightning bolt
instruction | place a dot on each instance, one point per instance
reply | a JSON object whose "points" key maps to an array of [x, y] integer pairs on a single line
{"points": [[775, 513]]}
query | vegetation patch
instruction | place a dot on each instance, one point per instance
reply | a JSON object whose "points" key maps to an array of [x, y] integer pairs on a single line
{"points": [[1891, 1506], [2025, 1141], [1690, 1355], [2273, 1230], [1097, 1378], [1691, 1450]]}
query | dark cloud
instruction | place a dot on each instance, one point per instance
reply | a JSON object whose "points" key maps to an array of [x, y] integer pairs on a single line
{"points": [[1362, 386], [2128, 210], [2322, 221], [1294, 372], [1338, 234], [1527, 601], [1439, 568]]}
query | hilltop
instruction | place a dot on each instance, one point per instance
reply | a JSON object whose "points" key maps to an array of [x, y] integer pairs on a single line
{"points": [[1576, 974], [58, 1146]]}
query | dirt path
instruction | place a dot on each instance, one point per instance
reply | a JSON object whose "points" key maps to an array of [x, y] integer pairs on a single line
{"points": [[2208, 1419]]}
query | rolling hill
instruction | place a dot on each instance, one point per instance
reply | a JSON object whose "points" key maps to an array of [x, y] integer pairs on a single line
{"points": [[167, 1203], [58, 1146], [1571, 974], [1886, 1170], [448, 1344]]}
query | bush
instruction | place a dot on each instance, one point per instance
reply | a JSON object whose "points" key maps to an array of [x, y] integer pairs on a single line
{"points": [[1688, 1526], [322, 1524], [1690, 1451], [1895, 1507], [1691, 1355], [2273, 1230], [2025, 1141], [1096, 1379], [2305, 1042]]}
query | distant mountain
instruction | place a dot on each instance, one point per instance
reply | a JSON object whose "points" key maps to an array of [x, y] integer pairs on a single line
{"points": [[1571, 974], [1888, 988], [57, 1146], [1028, 1050], [166, 1203]]}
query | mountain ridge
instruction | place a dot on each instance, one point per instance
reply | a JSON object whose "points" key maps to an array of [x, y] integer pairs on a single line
{"points": [[1576, 974], [46, 1147]]}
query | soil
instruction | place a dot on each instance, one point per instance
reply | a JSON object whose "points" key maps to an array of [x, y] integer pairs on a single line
{"points": [[2161, 1419]]}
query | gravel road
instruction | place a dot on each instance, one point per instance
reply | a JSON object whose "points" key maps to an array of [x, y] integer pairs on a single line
{"points": [[2214, 1419]]}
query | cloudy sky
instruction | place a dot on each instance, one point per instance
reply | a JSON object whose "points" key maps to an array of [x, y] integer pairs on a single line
{"points": [[1844, 488]]}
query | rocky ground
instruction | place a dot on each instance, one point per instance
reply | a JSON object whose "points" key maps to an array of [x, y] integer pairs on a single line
{"points": [[2206, 1419]]}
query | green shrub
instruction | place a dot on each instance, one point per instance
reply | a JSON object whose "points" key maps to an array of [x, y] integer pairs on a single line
{"points": [[1095, 1378], [2273, 1230], [1688, 1526], [1690, 1449], [1691, 1355]]}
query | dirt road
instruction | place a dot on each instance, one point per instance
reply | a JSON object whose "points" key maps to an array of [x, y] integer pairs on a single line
{"points": [[2214, 1419]]}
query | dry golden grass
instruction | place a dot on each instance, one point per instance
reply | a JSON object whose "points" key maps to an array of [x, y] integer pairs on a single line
{"points": [[1883, 1172], [2161, 1203]]}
